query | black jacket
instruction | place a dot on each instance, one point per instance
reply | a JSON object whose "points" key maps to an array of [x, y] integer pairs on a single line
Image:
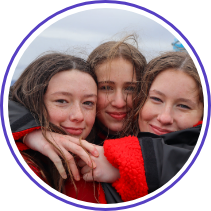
{"points": [[159, 157], [165, 155]]}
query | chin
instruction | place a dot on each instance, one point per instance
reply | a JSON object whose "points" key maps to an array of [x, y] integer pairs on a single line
{"points": [[74, 136], [77, 136], [115, 129]]}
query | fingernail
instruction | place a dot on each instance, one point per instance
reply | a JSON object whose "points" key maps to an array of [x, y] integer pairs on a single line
{"points": [[78, 178], [96, 153], [92, 164]]}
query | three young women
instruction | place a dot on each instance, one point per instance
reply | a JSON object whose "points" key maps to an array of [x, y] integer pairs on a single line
{"points": [[119, 68]]}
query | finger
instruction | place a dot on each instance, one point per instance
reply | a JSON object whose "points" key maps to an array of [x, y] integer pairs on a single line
{"points": [[54, 153], [81, 163], [88, 146], [57, 161], [88, 177], [79, 151], [70, 143], [72, 164], [85, 169]]}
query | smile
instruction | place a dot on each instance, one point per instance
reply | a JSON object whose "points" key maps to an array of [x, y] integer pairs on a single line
{"points": [[159, 131], [73, 130], [117, 115]]}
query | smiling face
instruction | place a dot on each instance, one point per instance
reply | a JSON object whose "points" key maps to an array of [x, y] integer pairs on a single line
{"points": [[172, 104], [116, 84], [70, 100]]}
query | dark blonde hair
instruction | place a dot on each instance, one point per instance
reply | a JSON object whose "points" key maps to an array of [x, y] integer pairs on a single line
{"points": [[111, 50], [30, 88], [180, 61]]}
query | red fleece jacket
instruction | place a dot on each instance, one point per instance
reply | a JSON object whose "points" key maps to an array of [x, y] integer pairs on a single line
{"points": [[125, 154]]}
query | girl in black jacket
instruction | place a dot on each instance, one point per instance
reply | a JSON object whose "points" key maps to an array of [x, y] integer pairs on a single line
{"points": [[174, 104]]}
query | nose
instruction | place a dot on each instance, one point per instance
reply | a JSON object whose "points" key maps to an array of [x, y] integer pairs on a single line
{"points": [[119, 99], [165, 117], [76, 114]]}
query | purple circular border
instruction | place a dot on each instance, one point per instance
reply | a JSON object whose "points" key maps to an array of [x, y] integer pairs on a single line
{"points": [[102, 2]]}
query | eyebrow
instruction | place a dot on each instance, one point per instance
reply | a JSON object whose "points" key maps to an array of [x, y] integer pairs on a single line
{"points": [[180, 99], [69, 94], [112, 82], [106, 82], [156, 91]]}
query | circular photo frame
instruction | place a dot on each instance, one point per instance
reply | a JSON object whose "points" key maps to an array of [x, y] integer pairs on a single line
{"points": [[172, 182]]}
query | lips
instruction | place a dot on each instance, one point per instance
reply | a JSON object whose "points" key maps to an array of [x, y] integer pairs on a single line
{"points": [[73, 130], [160, 131], [117, 115]]}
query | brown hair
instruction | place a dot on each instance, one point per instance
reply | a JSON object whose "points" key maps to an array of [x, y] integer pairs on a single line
{"points": [[30, 88], [111, 50], [180, 61]]}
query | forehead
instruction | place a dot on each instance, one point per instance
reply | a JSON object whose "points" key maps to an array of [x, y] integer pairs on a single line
{"points": [[72, 81], [116, 70], [176, 82], [175, 77]]}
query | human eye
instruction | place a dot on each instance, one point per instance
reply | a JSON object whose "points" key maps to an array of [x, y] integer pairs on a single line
{"points": [[89, 103], [155, 99], [184, 106], [130, 89], [61, 101], [106, 88]]}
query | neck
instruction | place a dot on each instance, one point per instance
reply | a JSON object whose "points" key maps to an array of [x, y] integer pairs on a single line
{"points": [[106, 130]]}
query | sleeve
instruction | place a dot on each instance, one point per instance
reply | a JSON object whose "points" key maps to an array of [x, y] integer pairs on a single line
{"points": [[21, 146], [172, 152], [149, 161], [126, 155], [165, 155], [21, 120], [161, 161]]}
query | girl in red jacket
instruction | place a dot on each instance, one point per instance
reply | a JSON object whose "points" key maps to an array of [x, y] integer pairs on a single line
{"points": [[174, 104], [119, 67], [61, 93]]}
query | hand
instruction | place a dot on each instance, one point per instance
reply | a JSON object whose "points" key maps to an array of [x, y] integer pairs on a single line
{"points": [[65, 143], [104, 171]]}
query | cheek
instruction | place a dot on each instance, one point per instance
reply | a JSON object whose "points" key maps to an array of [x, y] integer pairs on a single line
{"points": [[186, 121], [102, 101], [56, 116], [90, 119], [146, 115], [130, 101], [148, 112]]}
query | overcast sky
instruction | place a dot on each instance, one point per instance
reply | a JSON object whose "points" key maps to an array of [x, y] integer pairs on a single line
{"points": [[84, 31]]}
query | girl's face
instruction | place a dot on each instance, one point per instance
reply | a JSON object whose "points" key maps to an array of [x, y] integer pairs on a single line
{"points": [[70, 100], [116, 84], [172, 105]]}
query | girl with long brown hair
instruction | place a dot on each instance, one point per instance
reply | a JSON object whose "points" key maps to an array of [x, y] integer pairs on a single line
{"points": [[169, 120], [119, 67], [60, 91]]}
